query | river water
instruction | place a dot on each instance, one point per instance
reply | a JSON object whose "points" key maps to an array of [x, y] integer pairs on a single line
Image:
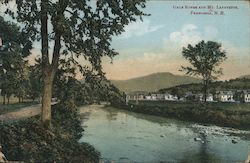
{"points": [[123, 136]]}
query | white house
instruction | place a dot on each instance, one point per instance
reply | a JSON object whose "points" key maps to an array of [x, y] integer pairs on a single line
{"points": [[225, 96], [153, 97], [189, 96], [170, 97], [246, 96], [209, 98], [148, 98], [140, 97], [160, 96], [127, 99], [1, 42]]}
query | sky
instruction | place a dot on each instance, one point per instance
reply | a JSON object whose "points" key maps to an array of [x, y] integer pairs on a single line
{"points": [[155, 44]]}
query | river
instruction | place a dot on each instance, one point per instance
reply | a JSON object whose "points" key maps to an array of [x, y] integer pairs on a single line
{"points": [[123, 136]]}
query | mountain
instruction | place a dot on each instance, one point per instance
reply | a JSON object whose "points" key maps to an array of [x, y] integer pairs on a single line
{"points": [[153, 82], [245, 76], [227, 85]]}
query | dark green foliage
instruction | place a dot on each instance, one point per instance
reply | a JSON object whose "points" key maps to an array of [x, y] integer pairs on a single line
{"points": [[11, 36], [28, 141], [93, 88], [204, 58]]}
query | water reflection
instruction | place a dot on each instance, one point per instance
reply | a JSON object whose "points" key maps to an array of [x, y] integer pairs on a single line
{"points": [[203, 155], [123, 136], [111, 116]]}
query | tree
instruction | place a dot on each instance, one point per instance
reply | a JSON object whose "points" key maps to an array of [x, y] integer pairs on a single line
{"points": [[22, 82], [14, 47], [82, 28], [35, 80], [13, 73], [176, 91], [205, 57]]}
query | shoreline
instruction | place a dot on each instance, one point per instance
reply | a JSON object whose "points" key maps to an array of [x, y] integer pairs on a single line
{"points": [[193, 112]]}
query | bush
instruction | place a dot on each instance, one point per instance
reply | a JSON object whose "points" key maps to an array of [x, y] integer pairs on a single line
{"points": [[29, 141]]}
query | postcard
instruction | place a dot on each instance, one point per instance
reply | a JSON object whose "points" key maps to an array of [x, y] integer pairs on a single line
{"points": [[124, 81]]}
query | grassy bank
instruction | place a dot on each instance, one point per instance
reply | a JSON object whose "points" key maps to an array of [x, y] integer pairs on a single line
{"points": [[222, 114], [28, 141], [13, 107]]}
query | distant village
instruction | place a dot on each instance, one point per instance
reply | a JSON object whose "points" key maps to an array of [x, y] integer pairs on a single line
{"points": [[239, 96]]}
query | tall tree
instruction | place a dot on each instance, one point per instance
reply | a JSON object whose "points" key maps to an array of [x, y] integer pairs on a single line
{"points": [[205, 58], [13, 48], [83, 28]]}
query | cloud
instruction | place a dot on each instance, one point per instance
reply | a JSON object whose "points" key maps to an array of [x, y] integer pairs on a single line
{"points": [[210, 32], [190, 34], [238, 60], [139, 28], [169, 58], [166, 59]]}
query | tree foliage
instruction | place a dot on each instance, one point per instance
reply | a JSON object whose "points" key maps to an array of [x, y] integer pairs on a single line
{"points": [[81, 28], [205, 58]]}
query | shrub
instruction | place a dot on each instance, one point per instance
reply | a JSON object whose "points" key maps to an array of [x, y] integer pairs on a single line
{"points": [[29, 141]]}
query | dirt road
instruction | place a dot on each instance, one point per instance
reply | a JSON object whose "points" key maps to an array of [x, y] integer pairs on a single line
{"points": [[23, 113]]}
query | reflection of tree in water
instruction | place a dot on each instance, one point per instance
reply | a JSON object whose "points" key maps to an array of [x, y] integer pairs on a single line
{"points": [[111, 114], [203, 156], [85, 116]]}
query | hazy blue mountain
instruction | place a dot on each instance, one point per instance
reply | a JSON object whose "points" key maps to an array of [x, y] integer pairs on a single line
{"points": [[153, 82]]}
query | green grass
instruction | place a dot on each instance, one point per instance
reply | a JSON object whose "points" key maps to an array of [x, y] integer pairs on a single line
{"points": [[230, 106], [222, 114], [14, 104], [210, 105], [13, 107]]}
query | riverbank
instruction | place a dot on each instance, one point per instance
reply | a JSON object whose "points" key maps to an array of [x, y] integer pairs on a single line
{"points": [[27, 140], [222, 114]]}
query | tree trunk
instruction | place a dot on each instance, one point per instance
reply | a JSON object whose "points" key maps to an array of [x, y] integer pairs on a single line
{"points": [[46, 98], [19, 99], [47, 78], [48, 69], [4, 100], [205, 91], [8, 100]]}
